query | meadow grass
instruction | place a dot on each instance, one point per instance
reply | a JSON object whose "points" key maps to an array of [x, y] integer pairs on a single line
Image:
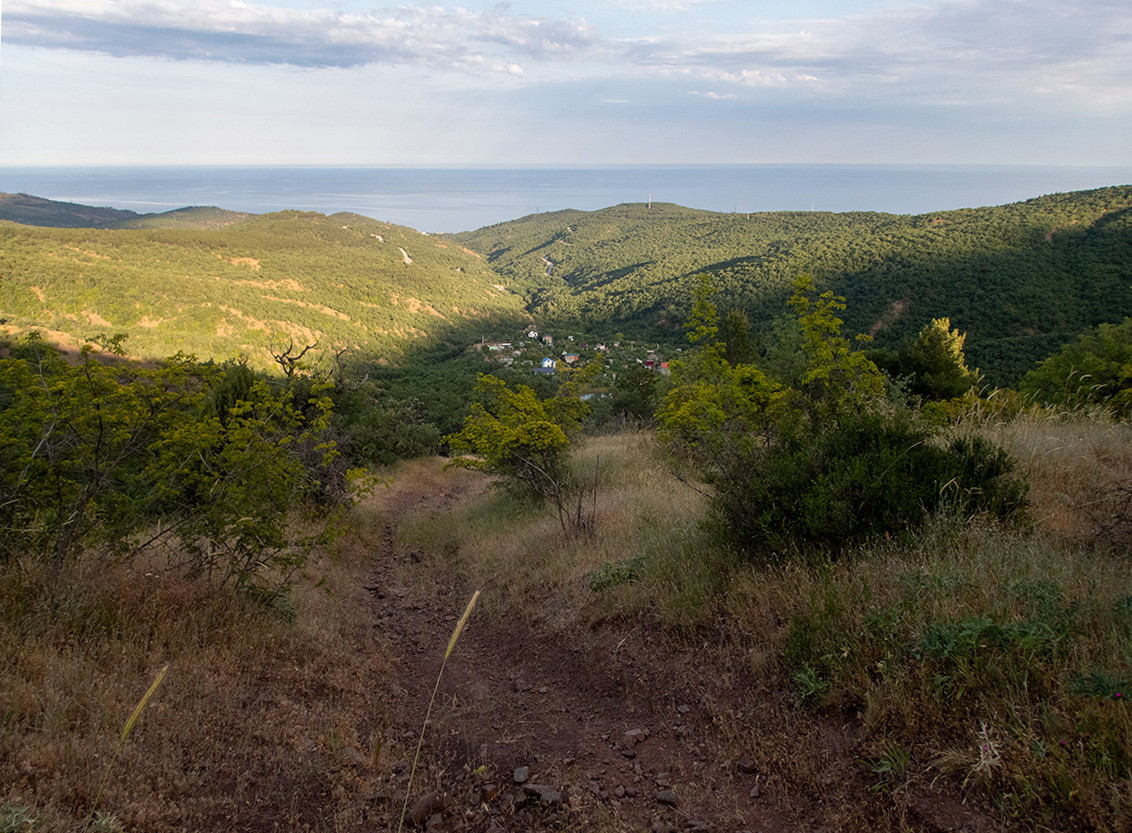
{"points": [[994, 654]]}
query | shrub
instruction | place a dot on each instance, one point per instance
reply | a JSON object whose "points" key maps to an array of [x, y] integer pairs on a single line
{"points": [[112, 458], [826, 461], [867, 473], [514, 433]]}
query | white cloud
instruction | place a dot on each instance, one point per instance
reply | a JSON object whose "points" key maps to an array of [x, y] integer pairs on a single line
{"points": [[238, 32], [715, 96], [947, 49], [206, 76]]}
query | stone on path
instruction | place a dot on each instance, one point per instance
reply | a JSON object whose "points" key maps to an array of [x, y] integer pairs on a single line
{"points": [[425, 807]]}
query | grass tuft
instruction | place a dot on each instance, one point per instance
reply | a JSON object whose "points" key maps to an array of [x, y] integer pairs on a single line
{"points": [[424, 725]]}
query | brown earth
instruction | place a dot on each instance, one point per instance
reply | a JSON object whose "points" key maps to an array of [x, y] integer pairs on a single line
{"points": [[614, 725]]}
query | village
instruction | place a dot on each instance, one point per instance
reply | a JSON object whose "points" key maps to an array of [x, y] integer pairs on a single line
{"points": [[542, 353]]}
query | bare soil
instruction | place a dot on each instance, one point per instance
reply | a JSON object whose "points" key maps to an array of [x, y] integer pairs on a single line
{"points": [[618, 725]]}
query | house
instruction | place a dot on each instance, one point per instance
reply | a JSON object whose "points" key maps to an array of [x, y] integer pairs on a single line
{"points": [[547, 367], [532, 334], [569, 358], [548, 340]]}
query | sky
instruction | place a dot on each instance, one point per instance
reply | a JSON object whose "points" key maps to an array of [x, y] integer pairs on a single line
{"points": [[565, 82]]}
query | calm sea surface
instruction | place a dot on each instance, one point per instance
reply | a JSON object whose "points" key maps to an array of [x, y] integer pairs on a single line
{"points": [[461, 199]]}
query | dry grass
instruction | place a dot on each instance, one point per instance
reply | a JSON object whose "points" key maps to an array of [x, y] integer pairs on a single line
{"points": [[247, 727], [1010, 716], [517, 550], [241, 729], [1023, 706]]}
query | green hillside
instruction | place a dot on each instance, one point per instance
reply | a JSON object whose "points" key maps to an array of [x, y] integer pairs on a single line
{"points": [[344, 281], [37, 211], [1020, 279]]}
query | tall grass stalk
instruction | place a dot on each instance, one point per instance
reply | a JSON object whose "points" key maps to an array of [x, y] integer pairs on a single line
{"points": [[420, 740], [125, 733]]}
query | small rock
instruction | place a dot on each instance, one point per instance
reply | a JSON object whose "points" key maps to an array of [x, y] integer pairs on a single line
{"points": [[490, 792], [630, 792], [697, 824], [544, 793], [666, 797], [629, 753], [350, 756], [619, 791], [425, 807], [633, 737], [434, 824], [661, 780], [521, 774], [683, 709], [746, 766], [400, 766]]}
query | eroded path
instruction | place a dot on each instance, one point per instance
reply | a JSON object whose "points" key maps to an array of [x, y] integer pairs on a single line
{"points": [[614, 727]]}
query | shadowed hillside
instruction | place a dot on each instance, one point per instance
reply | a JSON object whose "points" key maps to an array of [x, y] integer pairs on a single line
{"points": [[1020, 279]]}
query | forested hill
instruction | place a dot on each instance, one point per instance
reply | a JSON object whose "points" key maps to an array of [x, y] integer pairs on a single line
{"points": [[343, 282], [37, 211], [1020, 279]]}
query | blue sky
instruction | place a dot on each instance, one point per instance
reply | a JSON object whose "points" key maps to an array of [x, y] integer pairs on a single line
{"points": [[554, 82]]}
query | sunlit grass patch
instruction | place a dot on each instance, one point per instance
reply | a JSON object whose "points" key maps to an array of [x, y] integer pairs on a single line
{"points": [[1073, 459]]}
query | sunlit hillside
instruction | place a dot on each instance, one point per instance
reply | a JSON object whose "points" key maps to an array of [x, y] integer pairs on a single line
{"points": [[343, 282]]}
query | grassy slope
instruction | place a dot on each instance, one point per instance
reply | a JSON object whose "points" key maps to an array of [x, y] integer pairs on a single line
{"points": [[1020, 279], [344, 281], [254, 722]]}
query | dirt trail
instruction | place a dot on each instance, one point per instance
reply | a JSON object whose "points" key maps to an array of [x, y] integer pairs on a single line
{"points": [[618, 728]]}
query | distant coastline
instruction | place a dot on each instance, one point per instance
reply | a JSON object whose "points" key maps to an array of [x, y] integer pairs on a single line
{"points": [[462, 199]]}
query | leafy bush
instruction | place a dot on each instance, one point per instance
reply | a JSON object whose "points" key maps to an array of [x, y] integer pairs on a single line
{"points": [[113, 458], [819, 458], [1096, 368], [513, 432], [871, 472]]}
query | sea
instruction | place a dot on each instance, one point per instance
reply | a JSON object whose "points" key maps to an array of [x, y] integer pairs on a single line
{"points": [[463, 199]]}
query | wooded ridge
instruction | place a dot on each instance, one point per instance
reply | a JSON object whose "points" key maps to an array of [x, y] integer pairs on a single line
{"points": [[1019, 279]]}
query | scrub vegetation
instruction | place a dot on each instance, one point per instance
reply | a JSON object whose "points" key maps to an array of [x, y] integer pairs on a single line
{"points": [[847, 569]]}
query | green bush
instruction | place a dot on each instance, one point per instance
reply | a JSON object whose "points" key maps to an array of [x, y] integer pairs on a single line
{"points": [[819, 458], [867, 473], [109, 458]]}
